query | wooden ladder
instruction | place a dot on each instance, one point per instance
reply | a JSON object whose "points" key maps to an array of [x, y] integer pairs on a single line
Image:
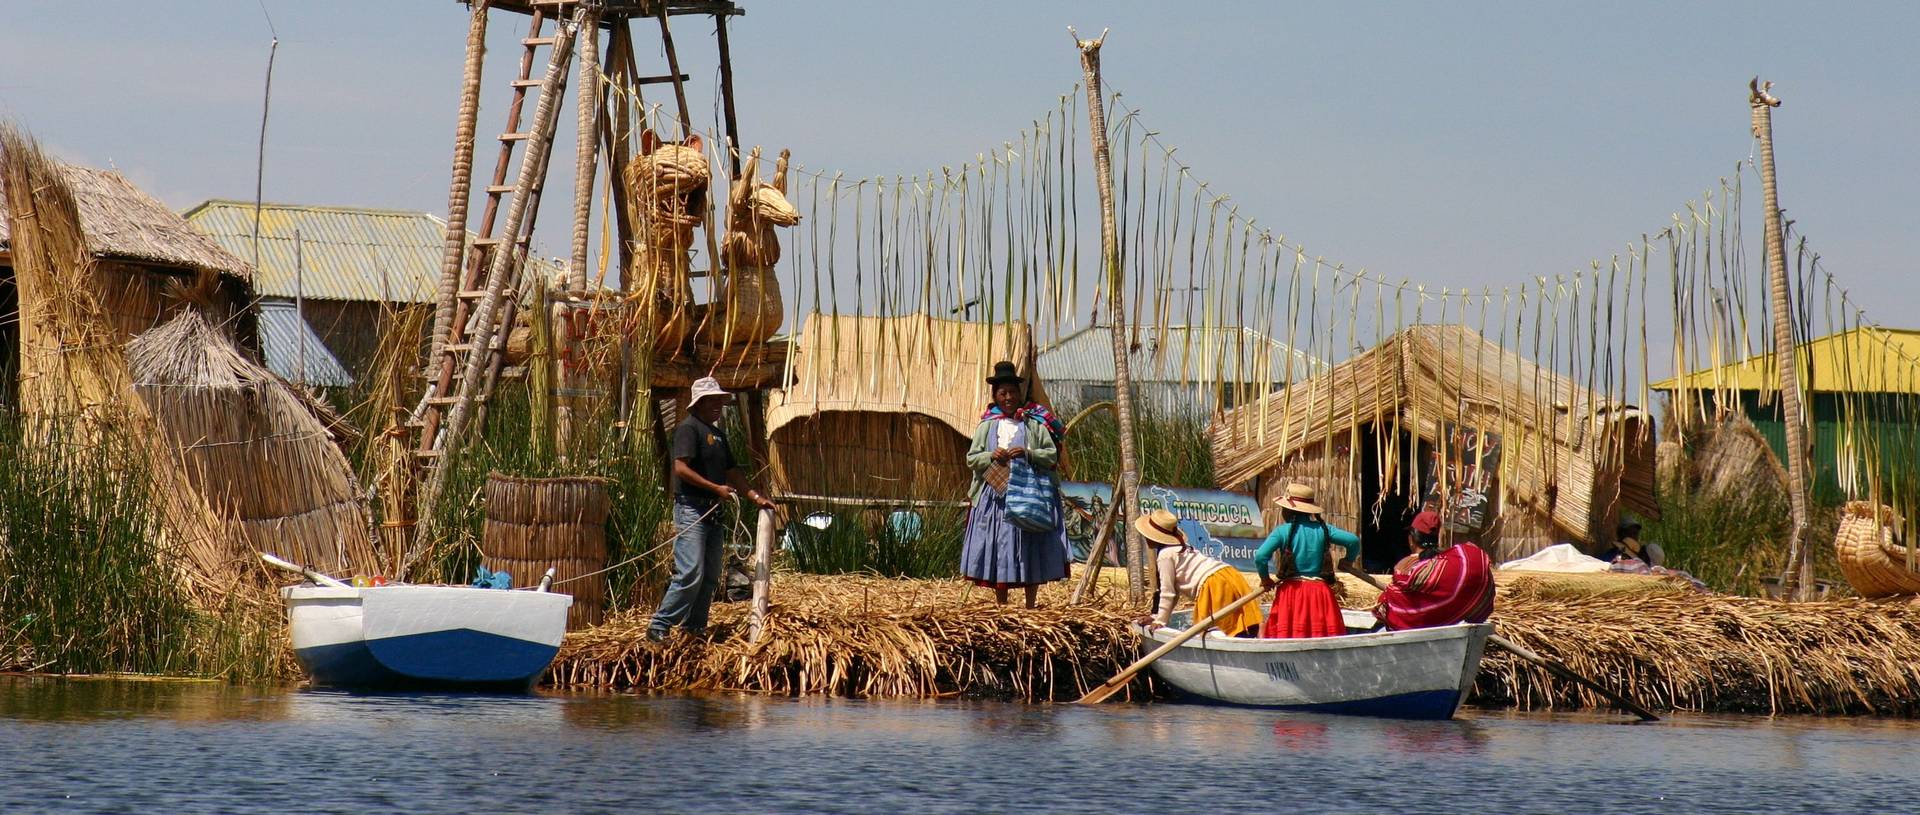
{"points": [[461, 373]]}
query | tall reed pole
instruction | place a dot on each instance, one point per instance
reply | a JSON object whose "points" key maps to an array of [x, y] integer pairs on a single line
{"points": [[454, 242], [1116, 310], [1797, 575]]}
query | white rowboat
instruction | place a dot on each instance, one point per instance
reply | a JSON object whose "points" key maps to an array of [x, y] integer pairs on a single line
{"points": [[405, 637], [1417, 674]]}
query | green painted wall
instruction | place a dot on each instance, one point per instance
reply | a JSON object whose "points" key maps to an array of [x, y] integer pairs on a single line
{"points": [[1889, 421]]}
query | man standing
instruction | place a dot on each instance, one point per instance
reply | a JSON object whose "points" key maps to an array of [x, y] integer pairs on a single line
{"points": [[704, 474]]}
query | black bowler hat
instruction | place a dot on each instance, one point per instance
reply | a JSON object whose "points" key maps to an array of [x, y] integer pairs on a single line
{"points": [[1004, 374]]}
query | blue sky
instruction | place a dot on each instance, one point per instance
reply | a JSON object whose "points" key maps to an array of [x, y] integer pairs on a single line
{"points": [[1455, 144]]}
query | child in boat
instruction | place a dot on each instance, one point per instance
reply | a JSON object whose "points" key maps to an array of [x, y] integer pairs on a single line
{"points": [[1304, 605], [1184, 571], [1453, 585]]}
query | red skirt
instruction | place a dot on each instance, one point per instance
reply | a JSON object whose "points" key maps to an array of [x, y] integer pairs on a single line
{"points": [[1304, 608]]}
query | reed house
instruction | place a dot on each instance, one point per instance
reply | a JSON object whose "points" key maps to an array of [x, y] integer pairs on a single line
{"points": [[1516, 456], [885, 408], [147, 260]]}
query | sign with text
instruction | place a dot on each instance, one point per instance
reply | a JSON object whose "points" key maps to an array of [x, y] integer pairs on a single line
{"points": [[1472, 461], [1224, 525]]}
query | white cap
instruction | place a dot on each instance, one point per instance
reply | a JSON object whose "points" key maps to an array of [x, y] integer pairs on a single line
{"points": [[704, 387]]}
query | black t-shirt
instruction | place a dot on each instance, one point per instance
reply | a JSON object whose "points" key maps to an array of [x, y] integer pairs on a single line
{"points": [[705, 449]]}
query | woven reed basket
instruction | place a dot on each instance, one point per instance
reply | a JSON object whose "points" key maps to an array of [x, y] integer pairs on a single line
{"points": [[1872, 562], [534, 523]]}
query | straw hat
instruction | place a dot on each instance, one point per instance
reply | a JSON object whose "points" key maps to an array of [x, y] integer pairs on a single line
{"points": [[1299, 498], [1161, 527], [707, 386]]}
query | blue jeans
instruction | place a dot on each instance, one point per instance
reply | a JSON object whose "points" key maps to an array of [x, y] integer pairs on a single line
{"points": [[698, 547]]}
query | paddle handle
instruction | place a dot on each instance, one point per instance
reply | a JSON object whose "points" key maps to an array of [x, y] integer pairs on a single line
{"points": [[1566, 672], [310, 574], [1121, 679]]}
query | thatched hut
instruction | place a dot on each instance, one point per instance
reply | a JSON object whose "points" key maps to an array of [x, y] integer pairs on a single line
{"points": [[1438, 414], [884, 408], [251, 445], [148, 264]]}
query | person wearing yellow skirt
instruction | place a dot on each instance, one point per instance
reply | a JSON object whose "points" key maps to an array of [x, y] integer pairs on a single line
{"points": [[1212, 584]]}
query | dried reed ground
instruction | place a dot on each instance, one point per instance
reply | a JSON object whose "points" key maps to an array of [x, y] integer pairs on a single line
{"points": [[1669, 647]]}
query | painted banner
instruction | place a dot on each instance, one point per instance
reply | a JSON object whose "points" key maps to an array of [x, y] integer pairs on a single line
{"points": [[1472, 461], [1224, 525]]}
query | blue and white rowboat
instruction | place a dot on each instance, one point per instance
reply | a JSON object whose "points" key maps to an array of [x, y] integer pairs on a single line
{"points": [[406, 637], [1417, 674]]}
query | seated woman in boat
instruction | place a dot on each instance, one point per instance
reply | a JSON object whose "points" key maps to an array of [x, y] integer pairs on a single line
{"points": [[1455, 584], [1304, 605], [1184, 571], [1423, 541], [996, 552]]}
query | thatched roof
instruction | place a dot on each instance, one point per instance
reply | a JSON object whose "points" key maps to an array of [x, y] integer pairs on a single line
{"points": [[915, 364], [1559, 441], [123, 223]]}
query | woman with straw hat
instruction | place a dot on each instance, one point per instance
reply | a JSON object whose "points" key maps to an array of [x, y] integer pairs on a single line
{"points": [[1184, 571], [997, 552], [1304, 605]]}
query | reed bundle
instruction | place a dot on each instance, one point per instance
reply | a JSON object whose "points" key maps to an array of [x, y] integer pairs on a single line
{"points": [[536, 523], [254, 448], [869, 637], [1733, 460], [1710, 653]]}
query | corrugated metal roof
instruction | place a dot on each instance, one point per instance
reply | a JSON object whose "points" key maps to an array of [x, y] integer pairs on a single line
{"points": [[1177, 354], [346, 253], [1862, 360], [281, 334]]}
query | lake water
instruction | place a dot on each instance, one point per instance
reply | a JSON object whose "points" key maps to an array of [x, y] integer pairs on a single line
{"points": [[120, 746]]}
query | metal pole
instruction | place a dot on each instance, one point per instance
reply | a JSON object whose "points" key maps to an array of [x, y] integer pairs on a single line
{"points": [[299, 313]]}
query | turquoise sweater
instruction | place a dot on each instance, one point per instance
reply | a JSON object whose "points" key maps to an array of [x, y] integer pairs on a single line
{"points": [[1310, 539]]}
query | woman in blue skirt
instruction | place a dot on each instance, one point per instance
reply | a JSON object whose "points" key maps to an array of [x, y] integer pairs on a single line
{"points": [[998, 553]]}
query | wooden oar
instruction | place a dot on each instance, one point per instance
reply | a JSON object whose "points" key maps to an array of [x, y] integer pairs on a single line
{"points": [[1120, 680], [1565, 672], [1552, 667], [310, 574]]}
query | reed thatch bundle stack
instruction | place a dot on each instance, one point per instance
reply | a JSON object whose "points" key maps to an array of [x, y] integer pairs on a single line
{"points": [[72, 364], [1874, 563], [866, 637], [255, 448], [1735, 461], [1710, 653], [536, 523]]}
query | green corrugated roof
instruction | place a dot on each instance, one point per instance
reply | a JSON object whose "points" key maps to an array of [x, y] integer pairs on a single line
{"points": [[346, 253]]}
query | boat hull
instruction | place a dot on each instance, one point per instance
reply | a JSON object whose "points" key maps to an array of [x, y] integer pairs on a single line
{"points": [[1418, 674], [425, 637]]}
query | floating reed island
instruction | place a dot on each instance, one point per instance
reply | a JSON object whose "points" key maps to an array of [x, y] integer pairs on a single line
{"points": [[869, 637], [1666, 645]]}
